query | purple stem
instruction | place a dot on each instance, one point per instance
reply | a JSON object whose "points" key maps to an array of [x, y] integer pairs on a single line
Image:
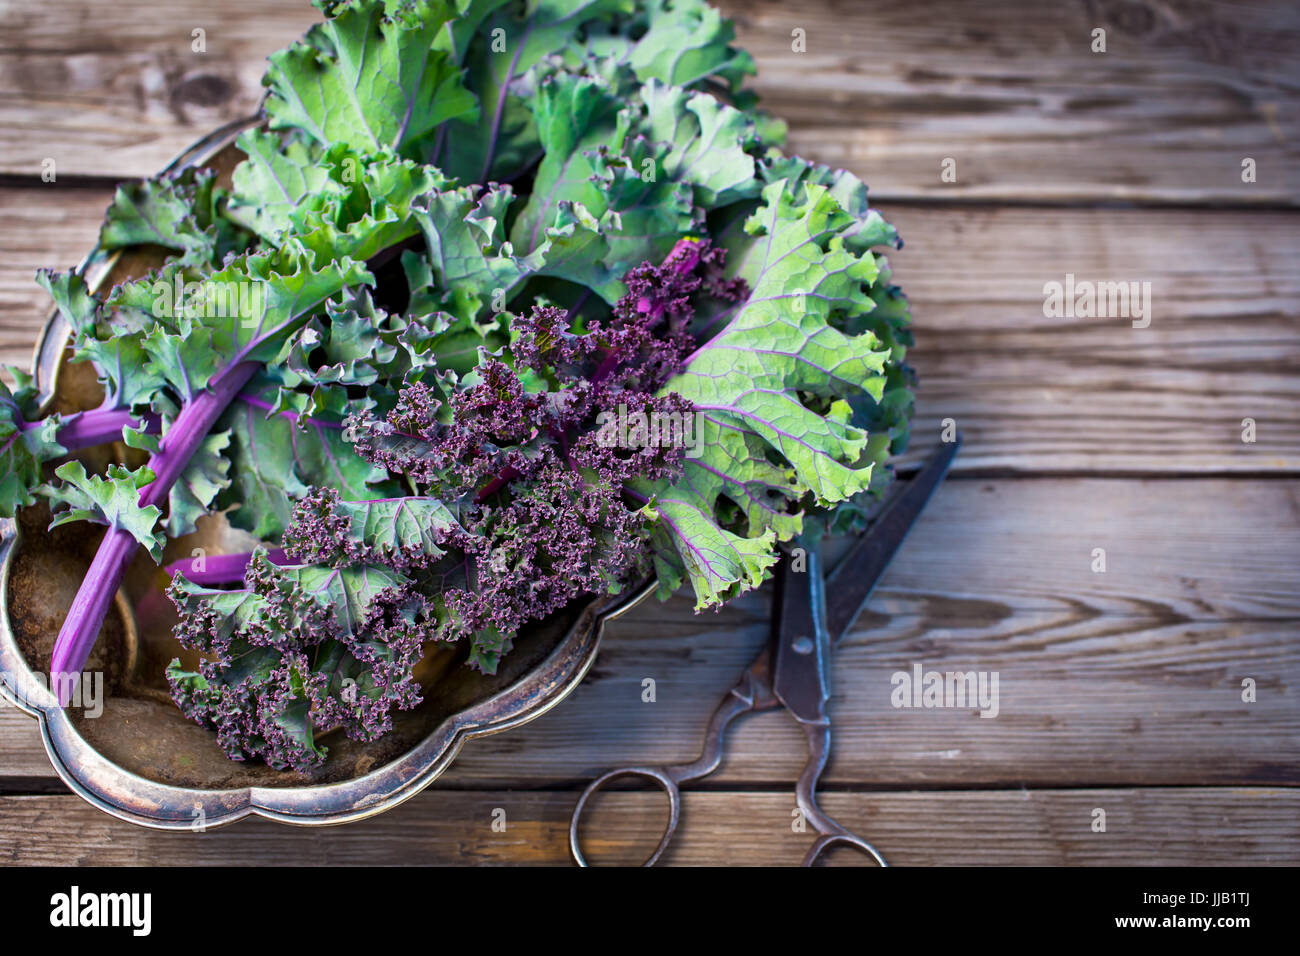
{"points": [[99, 587], [89, 609], [507, 475], [97, 426], [606, 368], [501, 104], [190, 428], [101, 425], [229, 568], [222, 568]]}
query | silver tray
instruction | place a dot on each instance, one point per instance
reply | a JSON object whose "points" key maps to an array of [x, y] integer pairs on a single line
{"points": [[140, 760]]}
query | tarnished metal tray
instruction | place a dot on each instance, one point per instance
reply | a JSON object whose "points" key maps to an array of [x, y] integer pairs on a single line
{"points": [[140, 760]]}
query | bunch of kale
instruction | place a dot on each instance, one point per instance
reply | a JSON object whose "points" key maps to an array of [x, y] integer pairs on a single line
{"points": [[471, 234], [520, 506]]}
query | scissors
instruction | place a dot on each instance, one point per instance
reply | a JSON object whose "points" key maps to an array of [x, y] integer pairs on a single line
{"points": [[792, 671]]}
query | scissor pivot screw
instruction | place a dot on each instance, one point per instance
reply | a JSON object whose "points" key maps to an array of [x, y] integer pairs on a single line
{"points": [[802, 645]]}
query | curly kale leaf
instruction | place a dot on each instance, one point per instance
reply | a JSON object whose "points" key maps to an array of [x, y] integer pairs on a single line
{"points": [[273, 180], [678, 42], [710, 143], [111, 500], [181, 212], [502, 140], [683, 43], [772, 384], [370, 76], [279, 456], [600, 176], [628, 170], [300, 651], [23, 445], [74, 301]]}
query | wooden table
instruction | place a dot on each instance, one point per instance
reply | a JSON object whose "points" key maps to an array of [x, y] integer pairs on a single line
{"points": [[1120, 691]]}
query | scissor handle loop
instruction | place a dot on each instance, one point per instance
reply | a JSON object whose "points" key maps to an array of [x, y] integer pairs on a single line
{"points": [[660, 776], [841, 839]]}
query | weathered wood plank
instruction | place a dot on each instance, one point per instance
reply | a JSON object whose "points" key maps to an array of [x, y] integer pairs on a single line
{"points": [[120, 92], [1128, 677], [1035, 393], [48, 226], [1196, 827], [20, 743], [1031, 393], [1010, 90]]}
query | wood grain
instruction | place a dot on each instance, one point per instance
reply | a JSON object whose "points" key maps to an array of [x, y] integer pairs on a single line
{"points": [[1035, 394], [42, 227], [1193, 827], [1120, 690], [1128, 677], [20, 743], [119, 93], [1010, 90], [1031, 394]]}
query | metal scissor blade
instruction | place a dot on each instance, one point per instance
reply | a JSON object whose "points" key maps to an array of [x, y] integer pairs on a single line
{"points": [[851, 583], [800, 678]]}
